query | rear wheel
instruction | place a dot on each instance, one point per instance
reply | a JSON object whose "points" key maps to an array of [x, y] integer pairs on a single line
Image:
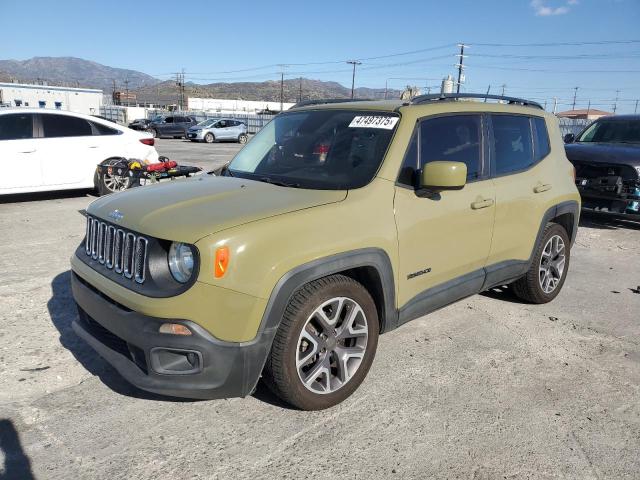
{"points": [[115, 179], [153, 132], [209, 138], [242, 138], [548, 270], [325, 344]]}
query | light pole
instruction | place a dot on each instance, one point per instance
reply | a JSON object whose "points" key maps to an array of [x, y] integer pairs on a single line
{"points": [[353, 77]]}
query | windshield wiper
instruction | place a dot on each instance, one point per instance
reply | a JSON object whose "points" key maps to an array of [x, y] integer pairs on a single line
{"points": [[278, 182]]}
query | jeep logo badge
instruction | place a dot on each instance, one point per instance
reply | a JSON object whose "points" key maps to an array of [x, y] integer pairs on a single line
{"points": [[116, 215]]}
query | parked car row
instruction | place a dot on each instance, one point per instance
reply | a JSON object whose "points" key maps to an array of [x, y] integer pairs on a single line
{"points": [[209, 131]]}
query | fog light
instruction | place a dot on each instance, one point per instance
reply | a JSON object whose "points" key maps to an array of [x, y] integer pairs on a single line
{"points": [[174, 329]]}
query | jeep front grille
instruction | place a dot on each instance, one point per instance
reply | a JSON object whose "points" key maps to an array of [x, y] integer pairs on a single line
{"points": [[116, 249]]}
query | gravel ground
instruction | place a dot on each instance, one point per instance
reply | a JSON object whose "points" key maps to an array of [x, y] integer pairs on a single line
{"points": [[486, 388]]}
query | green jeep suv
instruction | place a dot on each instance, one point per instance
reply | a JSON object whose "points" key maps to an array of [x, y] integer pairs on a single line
{"points": [[337, 222]]}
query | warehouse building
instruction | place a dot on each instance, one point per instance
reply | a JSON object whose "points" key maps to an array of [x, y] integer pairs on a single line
{"points": [[80, 100]]}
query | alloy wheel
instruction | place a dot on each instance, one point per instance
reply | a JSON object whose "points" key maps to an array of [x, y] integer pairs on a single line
{"points": [[331, 345], [552, 263]]}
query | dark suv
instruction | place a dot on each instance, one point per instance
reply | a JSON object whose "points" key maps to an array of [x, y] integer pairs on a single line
{"points": [[606, 155], [174, 126]]}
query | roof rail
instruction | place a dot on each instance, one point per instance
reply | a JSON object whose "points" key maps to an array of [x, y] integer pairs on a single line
{"points": [[455, 96], [323, 101]]}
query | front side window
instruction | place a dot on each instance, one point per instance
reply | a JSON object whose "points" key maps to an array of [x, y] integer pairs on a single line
{"points": [[65, 126], [16, 126], [455, 138], [319, 149], [513, 143], [612, 131], [168, 120]]}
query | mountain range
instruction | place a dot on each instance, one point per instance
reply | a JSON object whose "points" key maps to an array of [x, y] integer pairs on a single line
{"points": [[71, 71]]}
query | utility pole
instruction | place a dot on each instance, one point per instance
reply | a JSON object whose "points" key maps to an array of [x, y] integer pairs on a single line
{"points": [[636, 109], [487, 94], [386, 88], [113, 94], [589, 108], [575, 94], [555, 104], [353, 76], [282, 67], [460, 66], [504, 85], [300, 91], [615, 105], [126, 90]]}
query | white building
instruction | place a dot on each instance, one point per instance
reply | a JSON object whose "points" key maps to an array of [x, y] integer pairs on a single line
{"points": [[234, 106], [81, 100]]}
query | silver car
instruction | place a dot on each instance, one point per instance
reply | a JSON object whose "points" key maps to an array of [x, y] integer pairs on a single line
{"points": [[218, 129]]}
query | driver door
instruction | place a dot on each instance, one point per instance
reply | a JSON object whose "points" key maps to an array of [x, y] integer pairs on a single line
{"points": [[444, 238]]}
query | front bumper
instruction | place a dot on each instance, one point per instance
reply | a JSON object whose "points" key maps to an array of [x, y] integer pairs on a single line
{"points": [[130, 342], [195, 135]]}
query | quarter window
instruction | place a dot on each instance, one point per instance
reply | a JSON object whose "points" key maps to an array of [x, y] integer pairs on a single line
{"points": [[543, 146], [16, 126], [513, 141], [65, 126], [100, 129]]}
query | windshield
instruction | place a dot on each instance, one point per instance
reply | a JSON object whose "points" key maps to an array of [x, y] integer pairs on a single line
{"points": [[612, 131], [320, 149], [156, 119], [208, 123]]}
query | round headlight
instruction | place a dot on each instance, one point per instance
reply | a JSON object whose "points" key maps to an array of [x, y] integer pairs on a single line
{"points": [[181, 261]]}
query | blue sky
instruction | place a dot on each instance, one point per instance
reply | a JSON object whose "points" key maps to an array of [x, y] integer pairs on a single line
{"points": [[210, 38]]}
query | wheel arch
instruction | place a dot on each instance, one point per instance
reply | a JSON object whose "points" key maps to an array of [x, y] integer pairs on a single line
{"points": [[566, 214]]}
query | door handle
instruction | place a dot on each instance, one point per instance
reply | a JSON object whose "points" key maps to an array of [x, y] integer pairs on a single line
{"points": [[28, 151], [93, 146], [541, 188], [484, 203]]}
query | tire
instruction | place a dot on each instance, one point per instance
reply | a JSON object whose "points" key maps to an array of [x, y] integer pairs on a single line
{"points": [[548, 270], [300, 348], [242, 139], [154, 132], [209, 138]]}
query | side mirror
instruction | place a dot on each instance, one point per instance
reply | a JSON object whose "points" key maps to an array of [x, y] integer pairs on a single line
{"points": [[569, 138], [438, 176]]}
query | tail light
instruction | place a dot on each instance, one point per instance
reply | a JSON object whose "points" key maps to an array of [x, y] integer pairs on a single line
{"points": [[148, 141], [321, 150]]}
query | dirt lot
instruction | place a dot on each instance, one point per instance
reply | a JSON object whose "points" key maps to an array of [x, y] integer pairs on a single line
{"points": [[487, 388]]}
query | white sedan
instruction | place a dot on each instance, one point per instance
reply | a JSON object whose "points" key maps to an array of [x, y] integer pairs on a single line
{"points": [[56, 150]]}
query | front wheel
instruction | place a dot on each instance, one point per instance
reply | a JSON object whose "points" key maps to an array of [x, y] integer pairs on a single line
{"points": [[325, 344], [209, 138], [548, 270]]}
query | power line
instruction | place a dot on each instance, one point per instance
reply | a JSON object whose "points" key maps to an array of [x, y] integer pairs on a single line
{"points": [[557, 44]]}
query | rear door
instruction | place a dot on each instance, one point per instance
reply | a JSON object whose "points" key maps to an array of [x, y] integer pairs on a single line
{"points": [[68, 149], [167, 126], [523, 181], [19, 156]]}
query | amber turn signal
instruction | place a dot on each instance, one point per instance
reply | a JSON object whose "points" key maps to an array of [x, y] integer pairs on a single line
{"points": [[221, 262], [174, 329]]}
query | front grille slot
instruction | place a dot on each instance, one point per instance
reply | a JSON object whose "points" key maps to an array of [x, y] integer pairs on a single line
{"points": [[117, 249]]}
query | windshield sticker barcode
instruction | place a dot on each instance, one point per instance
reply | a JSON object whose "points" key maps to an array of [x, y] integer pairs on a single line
{"points": [[373, 121]]}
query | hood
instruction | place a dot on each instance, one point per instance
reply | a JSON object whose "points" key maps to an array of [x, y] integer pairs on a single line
{"points": [[190, 209], [616, 153]]}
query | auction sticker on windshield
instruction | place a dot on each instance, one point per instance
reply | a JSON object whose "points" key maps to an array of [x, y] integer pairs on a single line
{"points": [[374, 121]]}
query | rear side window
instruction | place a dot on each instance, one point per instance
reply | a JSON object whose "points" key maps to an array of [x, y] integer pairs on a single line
{"points": [[17, 126], [168, 120], [99, 129], [513, 143], [65, 126], [455, 138], [543, 146]]}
